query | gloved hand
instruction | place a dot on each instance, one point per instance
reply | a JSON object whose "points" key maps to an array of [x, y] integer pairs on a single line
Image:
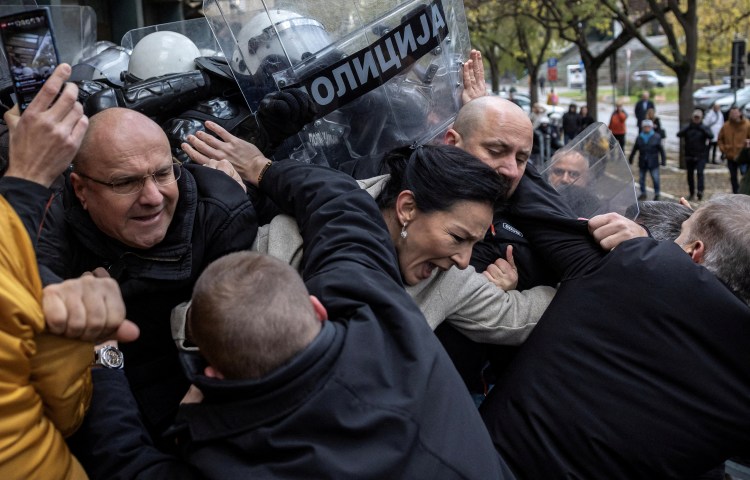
{"points": [[663, 163], [282, 114]]}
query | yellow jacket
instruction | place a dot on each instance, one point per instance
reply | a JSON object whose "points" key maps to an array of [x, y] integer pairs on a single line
{"points": [[45, 380]]}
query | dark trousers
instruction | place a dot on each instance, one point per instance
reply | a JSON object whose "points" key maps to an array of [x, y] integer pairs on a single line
{"points": [[733, 166], [621, 141], [692, 165]]}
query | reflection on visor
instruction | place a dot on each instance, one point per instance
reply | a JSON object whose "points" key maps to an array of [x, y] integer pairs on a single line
{"points": [[254, 43]]}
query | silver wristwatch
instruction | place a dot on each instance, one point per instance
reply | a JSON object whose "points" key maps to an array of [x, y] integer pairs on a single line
{"points": [[109, 357]]}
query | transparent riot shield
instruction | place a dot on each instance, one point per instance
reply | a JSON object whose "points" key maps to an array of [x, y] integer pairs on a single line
{"points": [[593, 175], [382, 73]]}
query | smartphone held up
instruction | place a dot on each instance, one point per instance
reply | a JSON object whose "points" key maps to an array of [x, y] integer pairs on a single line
{"points": [[29, 47]]}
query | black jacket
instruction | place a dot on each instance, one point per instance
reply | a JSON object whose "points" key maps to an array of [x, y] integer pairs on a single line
{"points": [[373, 396], [639, 368], [213, 217], [696, 136], [570, 123]]}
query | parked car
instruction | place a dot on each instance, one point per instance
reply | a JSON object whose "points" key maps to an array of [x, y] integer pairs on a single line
{"points": [[654, 77], [742, 99], [520, 99], [704, 97], [746, 111]]}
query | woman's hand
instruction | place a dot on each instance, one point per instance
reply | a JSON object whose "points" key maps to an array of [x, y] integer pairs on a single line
{"points": [[244, 157], [503, 273]]}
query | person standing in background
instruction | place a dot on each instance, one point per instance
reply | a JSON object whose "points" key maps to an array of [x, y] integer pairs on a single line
{"points": [[570, 122], [585, 120], [732, 139], [641, 108], [617, 124], [696, 135], [714, 120]]}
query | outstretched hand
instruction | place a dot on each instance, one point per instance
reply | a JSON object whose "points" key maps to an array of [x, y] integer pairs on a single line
{"points": [[473, 73], [44, 140], [503, 272], [611, 229], [88, 308], [244, 157]]}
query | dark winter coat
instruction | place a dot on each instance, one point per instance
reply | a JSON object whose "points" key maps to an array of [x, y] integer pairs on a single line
{"points": [[650, 152], [696, 136]]}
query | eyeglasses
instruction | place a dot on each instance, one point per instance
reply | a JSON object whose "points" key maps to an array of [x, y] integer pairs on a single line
{"points": [[131, 185]]}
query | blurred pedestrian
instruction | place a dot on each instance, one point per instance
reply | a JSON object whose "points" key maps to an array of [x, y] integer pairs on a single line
{"points": [[649, 145], [537, 113], [642, 107], [617, 124], [651, 115], [732, 139], [714, 120], [585, 120], [696, 135], [552, 98], [570, 122], [542, 81]]}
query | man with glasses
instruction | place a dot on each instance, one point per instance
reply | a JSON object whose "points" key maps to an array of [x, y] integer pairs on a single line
{"points": [[153, 225]]}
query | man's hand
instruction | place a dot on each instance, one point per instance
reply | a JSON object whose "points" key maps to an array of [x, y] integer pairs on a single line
{"points": [[503, 273], [245, 157], [44, 140], [473, 72], [611, 229], [88, 308], [226, 167]]}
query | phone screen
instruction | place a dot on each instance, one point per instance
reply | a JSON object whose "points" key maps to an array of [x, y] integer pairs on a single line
{"points": [[30, 50]]}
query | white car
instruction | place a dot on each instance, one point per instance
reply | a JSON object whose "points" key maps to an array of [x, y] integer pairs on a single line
{"points": [[741, 100], [704, 97], [654, 78]]}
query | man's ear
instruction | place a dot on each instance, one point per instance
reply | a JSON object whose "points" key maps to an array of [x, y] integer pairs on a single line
{"points": [[697, 251], [452, 137], [79, 188], [406, 207], [320, 310], [211, 372]]}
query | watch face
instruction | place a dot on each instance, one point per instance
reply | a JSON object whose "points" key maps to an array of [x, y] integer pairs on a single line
{"points": [[111, 357]]}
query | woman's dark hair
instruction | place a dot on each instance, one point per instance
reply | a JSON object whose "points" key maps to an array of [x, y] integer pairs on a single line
{"points": [[439, 176]]}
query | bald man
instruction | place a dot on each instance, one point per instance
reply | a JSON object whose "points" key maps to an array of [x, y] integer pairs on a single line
{"points": [[153, 225]]}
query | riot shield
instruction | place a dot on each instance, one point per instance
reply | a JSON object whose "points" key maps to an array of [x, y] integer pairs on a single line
{"points": [[593, 175], [382, 73]]}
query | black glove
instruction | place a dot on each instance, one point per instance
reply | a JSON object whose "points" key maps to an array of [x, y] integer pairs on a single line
{"points": [[282, 114], [663, 163]]}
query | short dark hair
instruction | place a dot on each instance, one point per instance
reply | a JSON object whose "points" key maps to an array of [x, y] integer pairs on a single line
{"points": [[251, 313], [662, 219], [439, 176]]}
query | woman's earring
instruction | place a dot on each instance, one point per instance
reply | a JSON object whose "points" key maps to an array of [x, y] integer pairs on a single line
{"points": [[404, 233]]}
